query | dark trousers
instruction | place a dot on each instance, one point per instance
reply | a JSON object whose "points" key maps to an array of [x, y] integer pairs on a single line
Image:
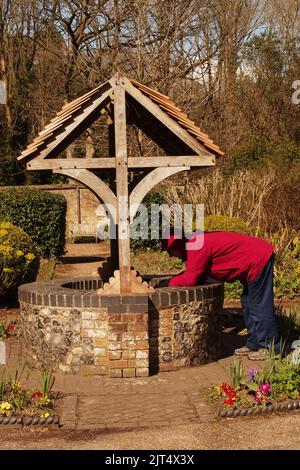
{"points": [[258, 307]]}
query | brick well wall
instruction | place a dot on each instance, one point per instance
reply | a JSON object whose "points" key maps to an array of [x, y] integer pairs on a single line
{"points": [[68, 327]]}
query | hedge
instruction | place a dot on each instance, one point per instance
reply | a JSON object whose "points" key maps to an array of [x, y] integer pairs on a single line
{"points": [[153, 197], [224, 223], [41, 214]]}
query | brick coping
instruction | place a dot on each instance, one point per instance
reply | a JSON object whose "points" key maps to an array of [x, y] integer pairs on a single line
{"points": [[82, 292]]}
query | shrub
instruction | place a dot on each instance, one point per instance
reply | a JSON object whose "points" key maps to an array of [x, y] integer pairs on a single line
{"points": [[285, 381], [40, 214], [19, 257], [262, 153], [145, 245], [287, 267], [224, 223]]}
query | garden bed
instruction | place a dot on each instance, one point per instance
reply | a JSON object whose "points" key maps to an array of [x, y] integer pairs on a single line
{"points": [[273, 387], [21, 405], [24, 406]]}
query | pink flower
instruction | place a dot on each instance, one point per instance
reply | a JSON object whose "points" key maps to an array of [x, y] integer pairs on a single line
{"points": [[265, 388]]}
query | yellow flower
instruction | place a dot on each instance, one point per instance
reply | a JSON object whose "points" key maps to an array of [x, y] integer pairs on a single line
{"points": [[44, 401], [30, 257], [3, 232], [19, 253], [5, 405], [5, 225], [6, 250], [45, 415], [16, 386], [7, 270]]}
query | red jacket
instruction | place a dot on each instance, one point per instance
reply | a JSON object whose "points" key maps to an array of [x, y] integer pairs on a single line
{"points": [[226, 257]]}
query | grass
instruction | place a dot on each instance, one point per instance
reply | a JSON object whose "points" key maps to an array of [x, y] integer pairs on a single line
{"points": [[155, 262]]}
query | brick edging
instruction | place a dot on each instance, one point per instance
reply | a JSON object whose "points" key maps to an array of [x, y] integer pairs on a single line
{"points": [[29, 420], [56, 293]]}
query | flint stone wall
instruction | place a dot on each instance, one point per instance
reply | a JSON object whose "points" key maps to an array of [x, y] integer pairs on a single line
{"points": [[66, 326]]}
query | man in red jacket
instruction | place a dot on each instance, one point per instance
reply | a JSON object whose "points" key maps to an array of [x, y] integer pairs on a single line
{"points": [[227, 257]]}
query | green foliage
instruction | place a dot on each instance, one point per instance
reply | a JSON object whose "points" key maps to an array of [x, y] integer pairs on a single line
{"points": [[6, 331], [41, 214], [145, 245], [155, 262], [236, 372], [288, 323], [47, 382], [256, 153], [46, 270], [17, 400], [3, 383], [19, 257], [287, 270], [233, 290], [285, 381], [224, 223]]}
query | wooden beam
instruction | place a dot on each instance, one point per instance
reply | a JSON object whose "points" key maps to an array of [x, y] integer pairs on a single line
{"points": [[122, 188], [132, 162], [174, 161], [96, 185], [163, 117], [147, 183], [74, 163]]}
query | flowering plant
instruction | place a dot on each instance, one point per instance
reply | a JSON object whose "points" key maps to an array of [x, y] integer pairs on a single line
{"points": [[6, 331], [276, 381], [19, 257], [16, 400], [230, 394]]}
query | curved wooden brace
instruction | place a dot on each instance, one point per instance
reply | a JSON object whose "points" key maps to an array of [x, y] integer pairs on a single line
{"points": [[96, 185], [147, 183]]}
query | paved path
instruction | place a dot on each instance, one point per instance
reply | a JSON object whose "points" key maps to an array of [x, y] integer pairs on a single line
{"points": [[111, 404], [82, 259]]}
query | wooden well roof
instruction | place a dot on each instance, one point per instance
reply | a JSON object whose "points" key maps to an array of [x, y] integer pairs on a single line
{"points": [[77, 116]]}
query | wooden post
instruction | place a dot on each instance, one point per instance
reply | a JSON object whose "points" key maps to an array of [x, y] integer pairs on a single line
{"points": [[122, 187], [78, 205], [114, 249]]}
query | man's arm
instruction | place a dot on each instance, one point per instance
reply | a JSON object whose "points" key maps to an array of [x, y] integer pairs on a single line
{"points": [[198, 262]]}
